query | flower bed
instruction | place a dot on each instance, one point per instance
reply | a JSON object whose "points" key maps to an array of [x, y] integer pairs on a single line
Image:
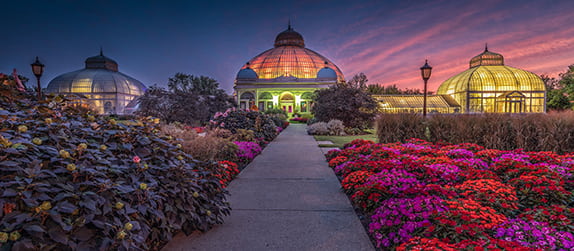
{"points": [[423, 196]]}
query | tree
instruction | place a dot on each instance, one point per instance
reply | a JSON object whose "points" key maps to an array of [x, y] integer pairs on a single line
{"points": [[567, 81], [189, 99], [348, 103], [358, 81], [556, 97], [201, 85], [557, 100], [550, 83]]}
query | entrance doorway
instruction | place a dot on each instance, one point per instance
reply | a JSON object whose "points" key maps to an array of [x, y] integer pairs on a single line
{"points": [[287, 103]]}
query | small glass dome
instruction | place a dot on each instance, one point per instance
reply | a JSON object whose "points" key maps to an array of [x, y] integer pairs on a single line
{"points": [[289, 37], [247, 73], [109, 90], [327, 73]]}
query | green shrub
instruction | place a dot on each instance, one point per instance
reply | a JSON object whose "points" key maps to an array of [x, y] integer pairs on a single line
{"points": [[88, 182], [233, 119], [531, 132]]}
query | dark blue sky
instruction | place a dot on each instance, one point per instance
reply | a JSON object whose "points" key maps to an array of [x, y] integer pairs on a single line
{"points": [[387, 40]]}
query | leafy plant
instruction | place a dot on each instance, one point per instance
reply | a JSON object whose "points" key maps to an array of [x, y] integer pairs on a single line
{"points": [[88, 182]]}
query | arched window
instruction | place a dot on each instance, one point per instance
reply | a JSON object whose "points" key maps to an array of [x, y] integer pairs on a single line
{"points": [[287, 97], [265, 95], [247, 95]]}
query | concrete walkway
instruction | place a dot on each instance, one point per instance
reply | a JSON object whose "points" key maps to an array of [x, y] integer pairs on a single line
{"points": [[286, 199]]}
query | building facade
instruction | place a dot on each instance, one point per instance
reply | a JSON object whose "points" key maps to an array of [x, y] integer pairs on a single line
{"points": [[285, 76], [107, 90]]}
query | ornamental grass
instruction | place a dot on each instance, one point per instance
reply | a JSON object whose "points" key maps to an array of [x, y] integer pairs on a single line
{"points": [[531, 132]]}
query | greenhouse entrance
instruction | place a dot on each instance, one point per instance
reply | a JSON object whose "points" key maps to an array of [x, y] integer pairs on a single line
{"points": [[511, 102], [287, 103]]}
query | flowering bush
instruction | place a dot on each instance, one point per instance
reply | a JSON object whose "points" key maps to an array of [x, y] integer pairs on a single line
{"points": [[485, 195], [247, 150], [559, 217], [535, 234], [399, 219], [227, 172], [539, 191], [299, 119], [383, 185], [490, 193], [337, 161], [466, 219], [354, 180], [426, 244]]}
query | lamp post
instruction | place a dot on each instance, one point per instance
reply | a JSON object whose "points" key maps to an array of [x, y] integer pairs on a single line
{"points": [[38, 69], [425, 72]]}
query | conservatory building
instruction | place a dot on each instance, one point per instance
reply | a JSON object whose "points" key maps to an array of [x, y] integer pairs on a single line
{"points": [[107, 90], [285, 76], [490, 86]]}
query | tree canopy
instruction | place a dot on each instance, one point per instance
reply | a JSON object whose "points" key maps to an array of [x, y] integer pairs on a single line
{"points": [[349, 103], [188, 99], [560, 92]]}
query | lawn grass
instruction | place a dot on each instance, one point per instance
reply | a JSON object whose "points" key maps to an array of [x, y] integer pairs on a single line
{"points": [[339, 141]]}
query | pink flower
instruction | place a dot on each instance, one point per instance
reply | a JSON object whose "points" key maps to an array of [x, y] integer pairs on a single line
{"points": [[137, 159]]}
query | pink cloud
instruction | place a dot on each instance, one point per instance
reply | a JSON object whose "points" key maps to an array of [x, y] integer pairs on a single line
{"points": [[540, 44]]}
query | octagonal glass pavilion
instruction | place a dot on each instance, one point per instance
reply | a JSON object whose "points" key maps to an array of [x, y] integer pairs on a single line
{"points": [[108, 90], [490, 86]]}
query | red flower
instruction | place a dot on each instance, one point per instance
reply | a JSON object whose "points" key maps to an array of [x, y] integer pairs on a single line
{"points": [[137, 159]]}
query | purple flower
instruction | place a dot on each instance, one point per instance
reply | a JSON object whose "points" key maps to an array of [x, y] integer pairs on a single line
{"points": [[399, 218], [247, 150], [535, 234]]}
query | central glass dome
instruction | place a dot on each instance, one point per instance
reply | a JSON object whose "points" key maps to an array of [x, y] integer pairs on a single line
{"points": [[290, 58]]}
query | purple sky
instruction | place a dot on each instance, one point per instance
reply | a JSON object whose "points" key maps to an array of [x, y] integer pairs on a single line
{"points": [[387, 40]]}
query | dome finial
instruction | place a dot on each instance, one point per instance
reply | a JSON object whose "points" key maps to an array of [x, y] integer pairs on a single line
{"points": [[485, 47], [101, 51], [289, 24]]}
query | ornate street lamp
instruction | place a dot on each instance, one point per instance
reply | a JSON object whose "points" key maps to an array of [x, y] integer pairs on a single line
{"points": [[425, 72], [38, 69]]}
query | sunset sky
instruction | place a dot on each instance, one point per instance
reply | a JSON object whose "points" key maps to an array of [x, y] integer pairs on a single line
{"points": [[387, 40]]}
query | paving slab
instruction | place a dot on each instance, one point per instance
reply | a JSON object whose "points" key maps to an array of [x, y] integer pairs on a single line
{"points": [[290, 230], [296, 194], [286, 199], [324, 142]]}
